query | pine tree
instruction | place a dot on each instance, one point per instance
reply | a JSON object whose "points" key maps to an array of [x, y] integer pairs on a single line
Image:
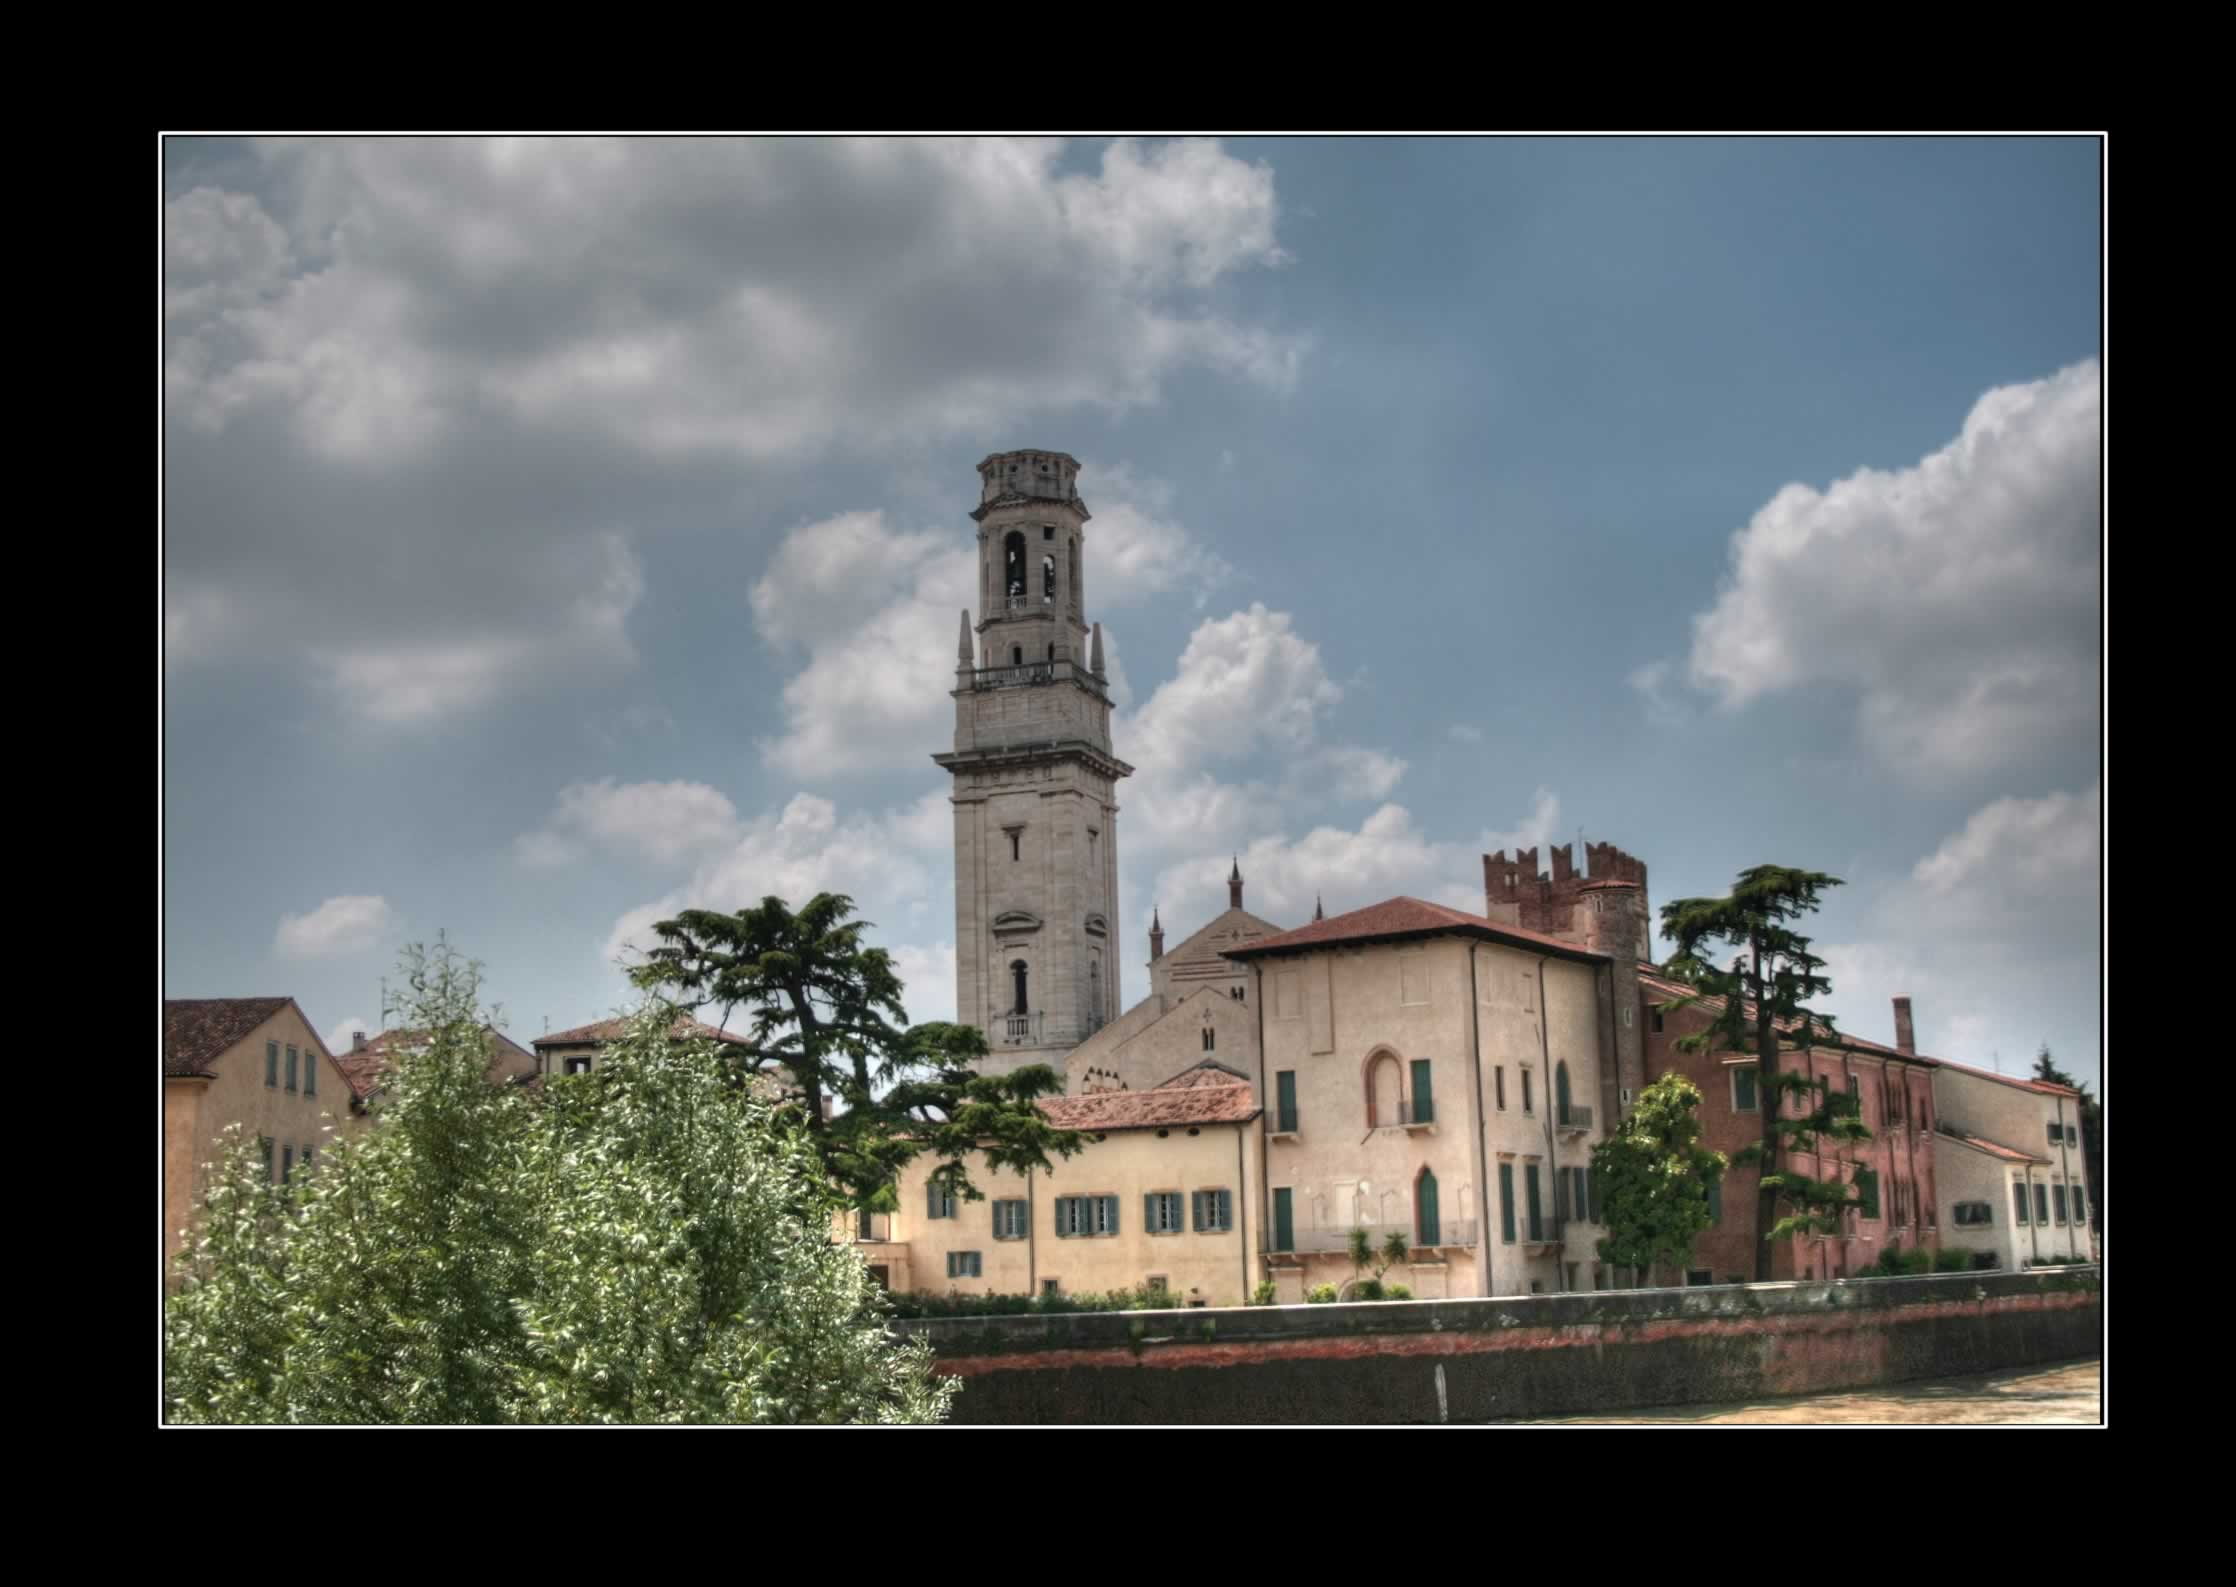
{"points": [[827, 1023], [1761, 1007]]}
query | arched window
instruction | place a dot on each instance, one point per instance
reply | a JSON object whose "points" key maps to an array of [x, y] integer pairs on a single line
{"points": [[1017, 980], [1047, 578], [1385, 1090], [1560, 1091], [1428, 1227], [1013, 562]]}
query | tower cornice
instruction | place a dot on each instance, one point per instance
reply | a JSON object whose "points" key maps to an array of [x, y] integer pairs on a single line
{"points": [[1012, 498]]}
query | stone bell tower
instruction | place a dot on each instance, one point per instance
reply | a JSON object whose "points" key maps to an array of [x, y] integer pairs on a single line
{"points": [[1035, 782]]}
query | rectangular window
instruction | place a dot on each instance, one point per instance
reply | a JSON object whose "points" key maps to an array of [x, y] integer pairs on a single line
{"points": [[1657, 1021], [1743, 1094], [1867, 1189], [1284, 1220], [290, 1068], [1214, 1211], [1009, 1220], [940, 1202], [1050, 1287], [1528, 1105], [310, 1074], [1208, 1036], [1506, 1202], [1071, 1217], [1536, 1204], [2056, 1135], [1699, 1276], [287, 1164], [1715, 1203], [1105, 1213], [1498, 1077], [578, 1066], [1160, 1212], [1973, 1214], [2042, 1204], [271, 1064], [2079, 1215], [2018, 1195], [1424, 1098], [2057, 1202], [962, 1264], [1591, 1185], [1285, 1108]]}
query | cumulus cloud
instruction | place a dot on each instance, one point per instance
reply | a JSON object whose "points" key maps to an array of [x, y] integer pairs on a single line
{"points": [[338, 1036], [1994, 935], [349, 924], [1958, 598], [416, 381], [665, 823]]}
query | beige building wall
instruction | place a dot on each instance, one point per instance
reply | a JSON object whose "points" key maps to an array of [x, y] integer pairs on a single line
{"points": [[2018, 1117], [1333, 1015], [182, 1110], [1144, 1053], [1214, 1267], [235, 1092]]}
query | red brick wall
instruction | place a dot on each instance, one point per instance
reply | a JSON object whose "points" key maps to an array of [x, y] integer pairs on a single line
{"points": [[1902, 1157]]}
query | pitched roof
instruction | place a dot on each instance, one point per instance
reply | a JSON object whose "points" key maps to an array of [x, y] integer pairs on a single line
{"points": [[1211, 1072], [1167, 1106], [598, 1032], [197, 1031], [1995, 1149], [2022, 1082], [1715, 1005], [1203, 951], [1398, 918], [362, 1066]]}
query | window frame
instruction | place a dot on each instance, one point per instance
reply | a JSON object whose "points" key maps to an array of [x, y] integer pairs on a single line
{"points": [[1012, 1218], [1752, 1074]]}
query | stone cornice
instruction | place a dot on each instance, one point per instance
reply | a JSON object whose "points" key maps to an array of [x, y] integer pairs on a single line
{"points": [[1077, 749], [1017, 498]]}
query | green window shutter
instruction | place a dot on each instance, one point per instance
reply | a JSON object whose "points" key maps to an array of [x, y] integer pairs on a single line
{"points": [[1195, 1210], [2019, 1194], [1560, 1092], [310, 1074], [1424, 1095], [271, 1064], [1149, 1213], [1284, 1221], [1432, 1229], [1286, 1117], [1591, 1185], [1867, 1186], [1506, 1202], [2041, 1204], [931, 1202], [1536, 1202], [1110, 1207], [2057, 1201], [1498, 1082], [2078, 1214], [1745, 1100], [1715, 1203], [1226, 1209], [290, 1068]]}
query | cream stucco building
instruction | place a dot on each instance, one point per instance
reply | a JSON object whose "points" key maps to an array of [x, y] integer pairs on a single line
{"points": [[253, 1061], [2013, 1182]]}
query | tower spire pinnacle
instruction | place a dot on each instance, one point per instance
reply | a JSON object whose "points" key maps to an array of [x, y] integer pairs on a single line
{"points": [[1094, 660], [962, 644], [1234, 885], [1319, 910]]}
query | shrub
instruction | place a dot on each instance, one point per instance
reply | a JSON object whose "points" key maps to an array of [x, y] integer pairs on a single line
{"points": [[1952, 1260], [1399, 1292], [1263, 1294], [1322, 1295], [1367, 1289]]}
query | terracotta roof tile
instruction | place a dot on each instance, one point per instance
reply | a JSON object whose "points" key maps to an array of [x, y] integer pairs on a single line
{"points": [[1167, 1106], [197, 1031], [1714, 1005], [1406, 917], [362, 1066], [605, 1030], [1996, 1149]]}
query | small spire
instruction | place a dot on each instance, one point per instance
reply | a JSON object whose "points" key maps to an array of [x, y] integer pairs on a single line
{"points": [[1234, 885], [1319, 910], [962, 647], [1094, 659], [1156, 936]]}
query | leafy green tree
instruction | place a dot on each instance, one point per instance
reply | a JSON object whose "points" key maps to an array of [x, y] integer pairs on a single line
{"points": [[1654, 1178], [2092, 1130], [1760, 1007], [826, 1020], [642, 1243]]}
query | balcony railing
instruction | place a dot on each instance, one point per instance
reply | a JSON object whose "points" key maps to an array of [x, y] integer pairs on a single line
{"points": [[1024, 1027], [1575, 1117], [1449, 1232], [1418, 1112]]}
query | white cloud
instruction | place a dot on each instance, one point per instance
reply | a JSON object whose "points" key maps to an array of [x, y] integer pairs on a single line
{"points": [[1994, 936], [349, 924], [338, 1036], [666, 823], [1135, 548], [1958, 598], [927, 975], [1462, 733]]}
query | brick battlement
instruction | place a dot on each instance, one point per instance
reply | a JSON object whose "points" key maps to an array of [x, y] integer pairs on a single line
{"points": [[1515, 893]]}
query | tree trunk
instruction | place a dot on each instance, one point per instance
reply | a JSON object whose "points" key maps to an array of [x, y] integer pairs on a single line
{"points": [[1769, 1098]]}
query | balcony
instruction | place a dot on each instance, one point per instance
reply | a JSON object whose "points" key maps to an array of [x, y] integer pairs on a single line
{"points": [[1452, 1234], [1418, 1114], [1573, 1120], [1284, 1127], [1024, 1028]]}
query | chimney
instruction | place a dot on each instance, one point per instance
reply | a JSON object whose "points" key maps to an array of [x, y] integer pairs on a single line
{"points": [[1234, 885], [1905, 1034], [356, 1041]]}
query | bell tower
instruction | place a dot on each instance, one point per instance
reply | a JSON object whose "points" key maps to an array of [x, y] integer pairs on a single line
{"points": [[1035, 781]]}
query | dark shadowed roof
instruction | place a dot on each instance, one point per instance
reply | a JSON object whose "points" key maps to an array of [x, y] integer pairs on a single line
{"points": [[1396, 919], [197, 1031]]}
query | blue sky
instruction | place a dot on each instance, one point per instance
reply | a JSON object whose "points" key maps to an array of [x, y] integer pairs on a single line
{"points": [[558, 533]]}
